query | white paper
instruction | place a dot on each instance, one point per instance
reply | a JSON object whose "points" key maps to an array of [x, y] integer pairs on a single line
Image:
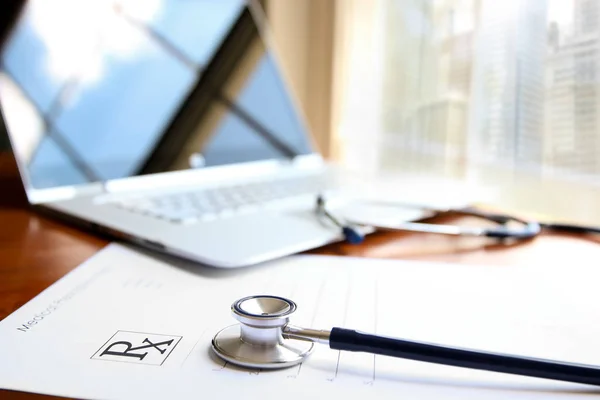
{"points": [[54, 343]]}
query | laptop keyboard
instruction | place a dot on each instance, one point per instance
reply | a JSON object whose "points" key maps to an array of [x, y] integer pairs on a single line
{"points": [[206, 204]]}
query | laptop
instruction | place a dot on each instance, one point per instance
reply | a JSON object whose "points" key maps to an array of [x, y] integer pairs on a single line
{"points": [[165, 124]]}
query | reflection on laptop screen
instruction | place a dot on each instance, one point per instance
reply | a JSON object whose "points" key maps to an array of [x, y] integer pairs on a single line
{"points": [[96, 90]]}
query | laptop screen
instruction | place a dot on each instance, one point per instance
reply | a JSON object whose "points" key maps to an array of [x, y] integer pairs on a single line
{"points": [[97, 90]]}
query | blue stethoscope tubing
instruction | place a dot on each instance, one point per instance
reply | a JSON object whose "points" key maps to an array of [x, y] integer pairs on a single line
{"points": [[351, 230]]}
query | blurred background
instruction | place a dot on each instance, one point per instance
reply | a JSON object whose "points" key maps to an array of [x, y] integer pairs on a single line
{"points": [[495, 93], [501, 93]]}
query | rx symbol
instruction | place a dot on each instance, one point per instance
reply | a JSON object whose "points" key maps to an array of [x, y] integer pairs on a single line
{"points": [[130, 351]]}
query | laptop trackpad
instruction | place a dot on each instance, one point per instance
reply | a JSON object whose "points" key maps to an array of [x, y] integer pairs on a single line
{"points": [[252, 238]]}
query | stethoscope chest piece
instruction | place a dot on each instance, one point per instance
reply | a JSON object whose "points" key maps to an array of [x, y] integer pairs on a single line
{"points": [[258, 342]]}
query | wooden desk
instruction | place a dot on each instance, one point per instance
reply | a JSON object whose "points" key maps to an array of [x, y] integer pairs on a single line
{"points": [[36, 251]]}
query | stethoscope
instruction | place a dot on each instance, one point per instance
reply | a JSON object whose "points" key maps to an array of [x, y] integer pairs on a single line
{"points": [[264, 339], [352, 230]]}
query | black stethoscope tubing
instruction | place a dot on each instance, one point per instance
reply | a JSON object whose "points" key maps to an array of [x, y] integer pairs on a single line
{"points": [[350, 340]]}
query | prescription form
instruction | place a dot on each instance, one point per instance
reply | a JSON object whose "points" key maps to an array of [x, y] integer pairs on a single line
{"points": [[127, 324]]}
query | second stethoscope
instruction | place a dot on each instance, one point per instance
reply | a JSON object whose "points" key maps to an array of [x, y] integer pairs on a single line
{"points": [[265, 339], [520, 229]]}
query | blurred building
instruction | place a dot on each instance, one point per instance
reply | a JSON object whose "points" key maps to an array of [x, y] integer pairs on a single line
{"points": [[573, 95], [512, 84], [507, 103], [426, 100]]}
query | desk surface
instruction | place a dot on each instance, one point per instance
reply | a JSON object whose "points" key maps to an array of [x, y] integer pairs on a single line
{"points": [[36, 251]]}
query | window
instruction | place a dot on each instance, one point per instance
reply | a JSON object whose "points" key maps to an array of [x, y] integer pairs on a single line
{"points": [[527, 89]]}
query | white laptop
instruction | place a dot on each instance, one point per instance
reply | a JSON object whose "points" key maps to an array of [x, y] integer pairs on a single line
{"points": [[164, 123]]}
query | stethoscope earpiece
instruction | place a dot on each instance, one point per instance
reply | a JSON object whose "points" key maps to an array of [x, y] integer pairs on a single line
{"points": [[351, 234]]}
